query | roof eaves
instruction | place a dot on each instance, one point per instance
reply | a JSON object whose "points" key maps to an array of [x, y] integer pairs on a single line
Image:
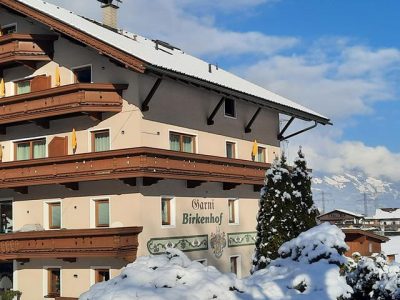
{"points": [[281, 108]]}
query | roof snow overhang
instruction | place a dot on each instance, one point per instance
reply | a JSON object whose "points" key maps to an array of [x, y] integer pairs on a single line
{"points": [[140, 65]]}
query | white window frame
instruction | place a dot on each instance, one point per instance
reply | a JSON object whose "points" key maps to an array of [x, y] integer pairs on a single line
{"points": [[238, 264], [93, 211], [81, 67], [173, 211], [93, 273], [236, 148], [46, 214], [91, 131], [195, 136], [236, 211], [46, 279], [12, 148], [235, 108], [266, 152]]}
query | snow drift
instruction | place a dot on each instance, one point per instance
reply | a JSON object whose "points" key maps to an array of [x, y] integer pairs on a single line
{"points": [[308, 268]]}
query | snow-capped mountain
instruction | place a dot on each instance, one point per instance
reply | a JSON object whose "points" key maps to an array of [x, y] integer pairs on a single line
{"points": [[347, 191]]}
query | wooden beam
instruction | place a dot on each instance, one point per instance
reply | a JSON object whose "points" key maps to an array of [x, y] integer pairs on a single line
{"points": [[21, 190], [69, 259], [227, 186], [210, 119], [95, 116], [30, 64], [42, 123], [280, 135], [73, 186], [148, 181], [248, 126], [191, 184], [129, 181], [145, 104]]}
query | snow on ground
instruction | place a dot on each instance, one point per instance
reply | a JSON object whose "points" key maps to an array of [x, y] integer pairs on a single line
{"points": [[308, 269], [392, 247]]}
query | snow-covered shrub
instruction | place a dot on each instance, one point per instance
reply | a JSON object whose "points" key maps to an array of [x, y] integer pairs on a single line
{"points": [[374, 278], [168, 276], [307, 269]]}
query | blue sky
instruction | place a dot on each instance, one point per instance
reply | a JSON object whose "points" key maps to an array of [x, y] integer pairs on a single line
{"points": [[339, 57]]}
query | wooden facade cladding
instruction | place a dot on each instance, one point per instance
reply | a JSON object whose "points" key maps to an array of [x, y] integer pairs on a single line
{"points": [[67, 99], [70, 244], [130, 163], [25, 49]]}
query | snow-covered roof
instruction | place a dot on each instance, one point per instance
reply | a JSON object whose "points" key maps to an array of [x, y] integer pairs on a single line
{"points": [[392, 246], [384, 213], [345, 212], [174, 60]]}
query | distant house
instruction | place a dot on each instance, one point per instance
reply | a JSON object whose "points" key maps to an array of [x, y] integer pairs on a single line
{"points": [[364, 242], [341, 218], [388, 219]]}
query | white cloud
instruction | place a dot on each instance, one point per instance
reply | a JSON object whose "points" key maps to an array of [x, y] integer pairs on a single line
{"points": [[341, 85], [339, 157]]}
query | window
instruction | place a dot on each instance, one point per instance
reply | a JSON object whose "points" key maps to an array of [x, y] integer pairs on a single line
{"points": [[230, 150], [30, 149], [54, 283], [230, 108], [261, 157], [102, 275], [166, 211], [234, 260], [54, 215], [100, 140], [9, 29], [83, 74], [233, 206], [102, 213], [22, 87], [181, 142]]}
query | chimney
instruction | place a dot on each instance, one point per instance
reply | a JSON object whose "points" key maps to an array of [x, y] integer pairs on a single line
{"points": [[110, 12]]}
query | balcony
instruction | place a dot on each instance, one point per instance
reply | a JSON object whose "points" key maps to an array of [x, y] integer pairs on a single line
{"points": [[69, 244], [128, 164], [60, 101], [25, 49]]}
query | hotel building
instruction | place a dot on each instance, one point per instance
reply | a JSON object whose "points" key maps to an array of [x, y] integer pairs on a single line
{"points": [[114, 146]]}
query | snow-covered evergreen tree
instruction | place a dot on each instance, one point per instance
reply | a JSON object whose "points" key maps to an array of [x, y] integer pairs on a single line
{"points": [[305, 212], [375, 279], [275, 215]]}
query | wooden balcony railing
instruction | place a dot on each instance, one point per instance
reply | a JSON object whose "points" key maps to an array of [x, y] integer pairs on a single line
{"points": [[25, 49], [71, 244], [67, 99], [131, 163]]}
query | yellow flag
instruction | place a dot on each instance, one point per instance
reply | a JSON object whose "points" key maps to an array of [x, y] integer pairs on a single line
{"points": [[74, 140], [2, 88], [254, 152], [58, 77]]}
